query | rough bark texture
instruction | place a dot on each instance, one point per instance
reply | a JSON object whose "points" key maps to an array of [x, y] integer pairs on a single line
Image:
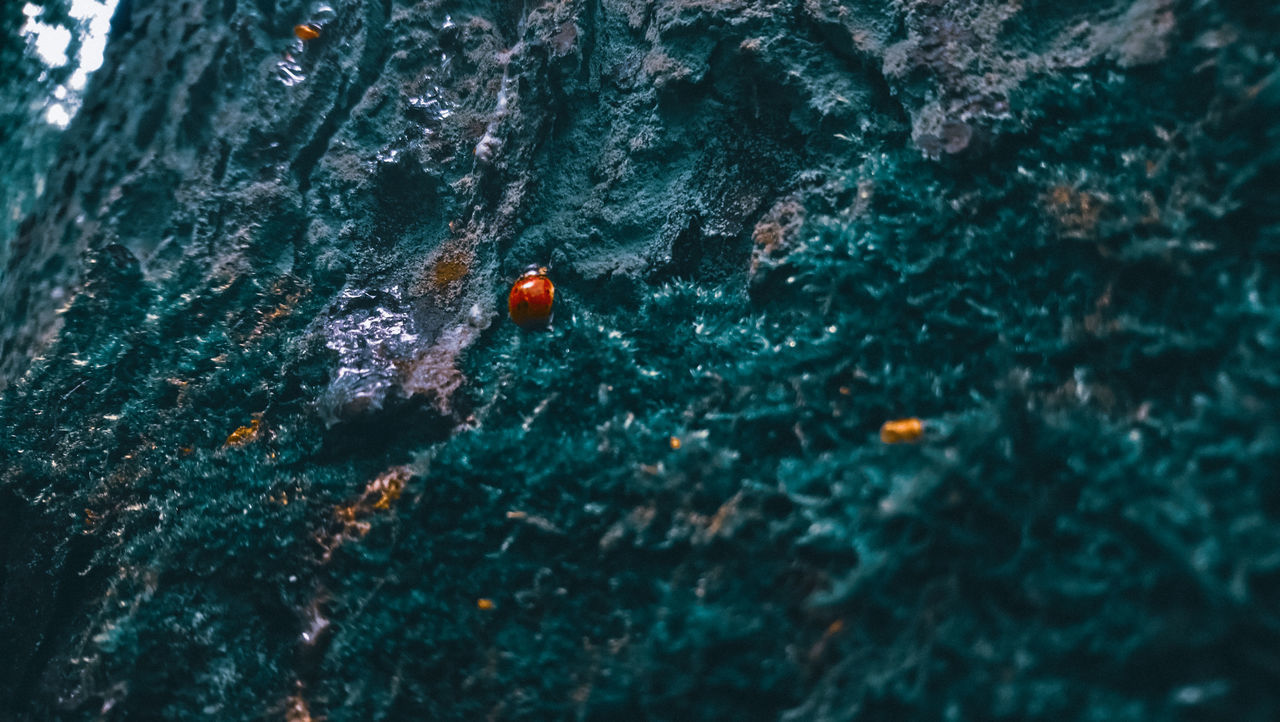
{"points": [[270, 449]]}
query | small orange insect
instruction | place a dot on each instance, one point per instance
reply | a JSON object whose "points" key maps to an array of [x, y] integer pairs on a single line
{"points": [[531, 297], [306, 31], [902, 431]]}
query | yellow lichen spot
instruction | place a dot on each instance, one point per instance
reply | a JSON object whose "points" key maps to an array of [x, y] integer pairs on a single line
{"points": [[675, 443], [244, 434], [900, 431], [485, 604]]}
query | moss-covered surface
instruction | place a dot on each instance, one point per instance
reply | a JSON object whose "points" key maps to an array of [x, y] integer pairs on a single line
{"points": [[1048, 231]]}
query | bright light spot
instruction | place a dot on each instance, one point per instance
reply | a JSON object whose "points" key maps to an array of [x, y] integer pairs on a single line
{"points": [[57, 115], [51, 43], [95, 40]]}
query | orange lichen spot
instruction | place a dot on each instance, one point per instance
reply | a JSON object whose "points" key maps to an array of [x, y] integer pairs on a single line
{"points": [[1077, 212], [902, 431], [244, 434], [443, 273], [296, 709], [380, 493], [675, 443], [532, 295], [562, 42], [387, 488], [767, 235], [306, 31], [346, 513], [182, 387], [450, 269], [538, 522], [281, 310], [351, 519], [485, 604], [724, 516], [835, 628], [776, 231], [350, 526]]}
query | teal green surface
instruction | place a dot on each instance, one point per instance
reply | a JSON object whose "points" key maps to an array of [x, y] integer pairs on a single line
{"points": [[1085, 310]]}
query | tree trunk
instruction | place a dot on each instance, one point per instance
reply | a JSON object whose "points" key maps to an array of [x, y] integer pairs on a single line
{"points": [[272, 448]]}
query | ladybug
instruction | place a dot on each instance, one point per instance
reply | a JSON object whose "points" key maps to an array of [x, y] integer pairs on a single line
{"points": [[531, 296]]}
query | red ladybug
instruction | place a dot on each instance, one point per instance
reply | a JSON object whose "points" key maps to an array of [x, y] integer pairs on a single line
{"points": [[531, 297]]}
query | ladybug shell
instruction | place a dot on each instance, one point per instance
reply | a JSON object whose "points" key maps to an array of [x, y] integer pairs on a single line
{"points": [[530, 301]]}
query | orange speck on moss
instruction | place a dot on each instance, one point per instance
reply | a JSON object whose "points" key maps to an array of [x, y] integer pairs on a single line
{"points": [[306, 31], [675, 443], [244, 434], [485, 605], [901, 431]]}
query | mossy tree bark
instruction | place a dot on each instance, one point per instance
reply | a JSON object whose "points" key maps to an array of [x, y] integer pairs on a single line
{"points": [[270, 447]]}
